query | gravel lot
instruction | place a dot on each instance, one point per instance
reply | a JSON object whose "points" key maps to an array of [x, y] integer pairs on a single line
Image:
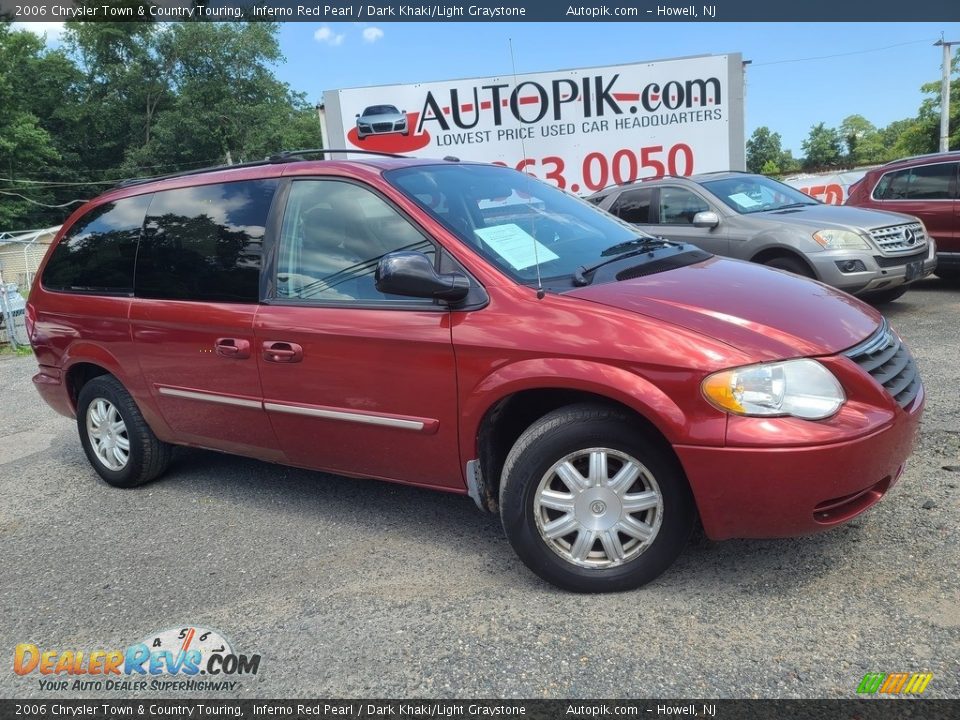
{"points": [[365, 589]]}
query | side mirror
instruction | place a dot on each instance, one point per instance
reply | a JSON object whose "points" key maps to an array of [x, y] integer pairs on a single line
{"points": [[403, 112], [706, 219], [412, 274], [358, 114]]}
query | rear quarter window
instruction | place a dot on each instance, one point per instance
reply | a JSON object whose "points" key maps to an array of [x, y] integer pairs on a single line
{"points": [[97, 254]]}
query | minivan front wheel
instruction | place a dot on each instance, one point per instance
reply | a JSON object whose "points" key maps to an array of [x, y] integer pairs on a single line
{"points": [[115, 437], [590, 505]]}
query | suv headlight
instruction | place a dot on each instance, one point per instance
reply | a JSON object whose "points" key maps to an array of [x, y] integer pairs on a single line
{"points": [[801, 388], [840, 240]]}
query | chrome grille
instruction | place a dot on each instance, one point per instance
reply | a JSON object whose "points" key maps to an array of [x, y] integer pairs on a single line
{"points": [[886, 262], [897, 239], [889, 363]]}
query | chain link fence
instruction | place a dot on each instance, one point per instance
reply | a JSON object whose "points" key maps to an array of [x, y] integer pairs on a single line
{"points": [[13, 317], [20, 255]]}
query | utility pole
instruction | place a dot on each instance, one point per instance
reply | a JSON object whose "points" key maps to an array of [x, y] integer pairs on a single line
{"points": [[945, 93]]}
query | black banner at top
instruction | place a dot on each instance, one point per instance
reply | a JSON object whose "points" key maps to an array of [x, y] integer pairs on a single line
{"points": [[637, 11]]}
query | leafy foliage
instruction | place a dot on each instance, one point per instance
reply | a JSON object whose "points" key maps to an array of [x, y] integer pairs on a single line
{"points": [[857, 142], [132, 99], [766, 155]]}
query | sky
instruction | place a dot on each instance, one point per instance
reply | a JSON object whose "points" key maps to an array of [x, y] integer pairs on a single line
{"points": [[800, 73]]}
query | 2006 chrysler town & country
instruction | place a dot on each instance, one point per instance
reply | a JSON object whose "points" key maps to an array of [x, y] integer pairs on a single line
{"points": [[467, 328]]}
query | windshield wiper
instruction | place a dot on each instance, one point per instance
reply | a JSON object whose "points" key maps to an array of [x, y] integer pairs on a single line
{"points": [[637, 246], [793, 205], [637, 243]]}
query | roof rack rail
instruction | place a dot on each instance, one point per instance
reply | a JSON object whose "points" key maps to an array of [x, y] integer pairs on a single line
{"points": [[281, 157], [294, 154], [186, 173]]}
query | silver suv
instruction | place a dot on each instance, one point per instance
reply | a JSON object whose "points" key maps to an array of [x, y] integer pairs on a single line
{"points": [[870, 253]]}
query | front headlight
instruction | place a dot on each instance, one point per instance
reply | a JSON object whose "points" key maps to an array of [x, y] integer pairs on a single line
{"points": [[840, 240], [801, 388]]}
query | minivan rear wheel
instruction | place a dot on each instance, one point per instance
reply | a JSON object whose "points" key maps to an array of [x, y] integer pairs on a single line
{"points": [[117, 440], [591, 505]]}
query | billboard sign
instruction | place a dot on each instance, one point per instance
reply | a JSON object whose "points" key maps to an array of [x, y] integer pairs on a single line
{"points": [[581, 129]]}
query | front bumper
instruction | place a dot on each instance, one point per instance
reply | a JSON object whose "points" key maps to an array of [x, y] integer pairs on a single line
{"points": [[892, 273], [767, 492]]}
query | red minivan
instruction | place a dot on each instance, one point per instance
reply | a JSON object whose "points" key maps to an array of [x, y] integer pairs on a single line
{"points": [[468, 328]]}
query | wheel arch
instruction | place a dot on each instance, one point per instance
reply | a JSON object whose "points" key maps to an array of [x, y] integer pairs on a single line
{"points": [[84, 361], [514, 403], [780, 251]]}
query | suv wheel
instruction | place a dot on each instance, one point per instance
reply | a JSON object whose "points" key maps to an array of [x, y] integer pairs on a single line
{"points": [[590, 505], [797, 267], [117, 440]]}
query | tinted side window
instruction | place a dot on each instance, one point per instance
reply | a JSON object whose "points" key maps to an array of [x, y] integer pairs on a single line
{"points": [[633, 206], [932, 182], [678, 206], [334, 234], [98, 253], [893, 186], [205, 242]]}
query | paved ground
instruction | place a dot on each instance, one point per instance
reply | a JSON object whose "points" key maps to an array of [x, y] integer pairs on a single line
{"points": [[350, 588]]}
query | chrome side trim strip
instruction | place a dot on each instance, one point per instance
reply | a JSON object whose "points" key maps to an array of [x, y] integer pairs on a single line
{"points": [[346, 416], [209, 397]]}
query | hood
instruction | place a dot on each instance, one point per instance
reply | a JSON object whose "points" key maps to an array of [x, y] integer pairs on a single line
{"points": [[385, 117], [823, 216], [767, 314]]}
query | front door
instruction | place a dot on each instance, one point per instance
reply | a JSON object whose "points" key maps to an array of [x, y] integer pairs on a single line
{"points": [[355, 381], [676, 209]]}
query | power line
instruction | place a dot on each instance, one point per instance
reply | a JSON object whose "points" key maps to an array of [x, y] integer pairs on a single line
{"points": [[66, 204], [43, 185], [836, 55], [53, 183]]}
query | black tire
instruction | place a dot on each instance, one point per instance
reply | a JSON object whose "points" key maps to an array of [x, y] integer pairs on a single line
{"points": [[556, 436], [790, 264], [886, 296], [147, 456]]}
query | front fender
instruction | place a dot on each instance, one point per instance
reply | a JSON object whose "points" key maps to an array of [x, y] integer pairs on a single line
{"points": [[609, 381]]}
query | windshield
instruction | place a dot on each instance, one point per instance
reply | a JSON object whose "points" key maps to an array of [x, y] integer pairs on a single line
{"points": [[513, 220], [755, 193], [380, 110]]}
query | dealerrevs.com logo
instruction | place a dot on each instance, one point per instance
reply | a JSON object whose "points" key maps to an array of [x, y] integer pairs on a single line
{"points": [[189, 658]]}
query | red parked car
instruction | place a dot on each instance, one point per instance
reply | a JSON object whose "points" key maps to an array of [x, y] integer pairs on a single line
{"points": [[926, 186], [467, 328]]}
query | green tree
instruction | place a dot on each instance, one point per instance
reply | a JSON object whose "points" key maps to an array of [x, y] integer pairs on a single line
{"points": [[31, 82], [226, 104], [764, 151], [864, 143], [822, 148]]}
